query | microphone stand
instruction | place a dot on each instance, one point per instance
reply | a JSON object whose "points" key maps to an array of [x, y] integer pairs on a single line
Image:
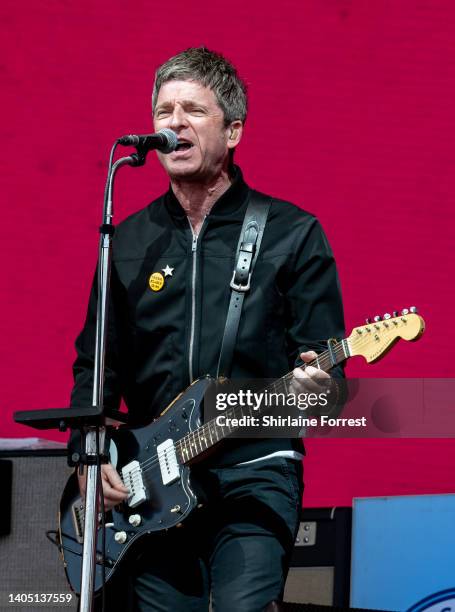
{"points": [[92, 444], [92, 421]]}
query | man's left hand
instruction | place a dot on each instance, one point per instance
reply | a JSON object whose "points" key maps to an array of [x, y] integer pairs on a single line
{"points": [[309, 378]]}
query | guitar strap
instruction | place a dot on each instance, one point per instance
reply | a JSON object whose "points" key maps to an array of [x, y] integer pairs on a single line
{"points": [[246, 257]]}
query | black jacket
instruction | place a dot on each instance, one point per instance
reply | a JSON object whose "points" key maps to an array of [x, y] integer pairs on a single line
{"points": [[158, 341]]}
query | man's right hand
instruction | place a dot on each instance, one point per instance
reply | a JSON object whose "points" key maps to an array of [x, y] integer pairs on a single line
{"points": [[113, 488]]}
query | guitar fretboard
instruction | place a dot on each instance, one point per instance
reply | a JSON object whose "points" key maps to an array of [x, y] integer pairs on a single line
{"points": [[203, 438]]}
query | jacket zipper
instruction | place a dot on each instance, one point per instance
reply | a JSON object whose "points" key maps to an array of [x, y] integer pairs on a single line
{"points": [[193, 296]]}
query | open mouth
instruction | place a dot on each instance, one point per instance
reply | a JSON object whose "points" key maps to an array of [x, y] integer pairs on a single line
{"points": [[184, 146]]}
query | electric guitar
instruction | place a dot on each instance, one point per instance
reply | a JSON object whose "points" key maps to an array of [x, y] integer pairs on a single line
{"points": [[155, 461]]}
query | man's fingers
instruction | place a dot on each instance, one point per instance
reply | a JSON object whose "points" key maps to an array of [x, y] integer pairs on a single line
{"points": [[113, 495], [316, 373], [114, 491], [112, 478], [310, 372], [308, 356], [303, 382], [110, 501], [310, 380]]}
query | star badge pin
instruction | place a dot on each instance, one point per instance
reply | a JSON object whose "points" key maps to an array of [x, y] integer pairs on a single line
{"points": [[168, 271]]}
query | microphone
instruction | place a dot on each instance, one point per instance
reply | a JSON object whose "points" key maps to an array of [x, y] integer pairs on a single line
{"points": [[165, 141]]}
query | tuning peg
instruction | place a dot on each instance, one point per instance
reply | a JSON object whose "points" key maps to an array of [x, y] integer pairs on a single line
{"points": [[368, 321], [405, 311], [377, 318], [413, 309], [395, 313], [386, 316]]}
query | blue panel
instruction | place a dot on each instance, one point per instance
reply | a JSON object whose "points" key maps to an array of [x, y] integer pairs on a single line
{"points": [[403, 550]]}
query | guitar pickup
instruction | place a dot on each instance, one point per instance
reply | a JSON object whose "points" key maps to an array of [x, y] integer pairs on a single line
{"points": [[132, 479], [169, 466]]}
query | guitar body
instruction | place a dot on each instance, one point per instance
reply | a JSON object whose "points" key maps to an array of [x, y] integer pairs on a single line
{"points": [[165, 506]]}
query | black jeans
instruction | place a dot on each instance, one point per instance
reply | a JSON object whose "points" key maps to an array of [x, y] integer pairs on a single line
{"points": [[236, 548]]}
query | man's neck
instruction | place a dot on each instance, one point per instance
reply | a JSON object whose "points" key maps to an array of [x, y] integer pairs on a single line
{"points": [[197, 198]]}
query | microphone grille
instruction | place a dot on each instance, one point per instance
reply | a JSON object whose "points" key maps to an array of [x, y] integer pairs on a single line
{"points": [[171, 140]]}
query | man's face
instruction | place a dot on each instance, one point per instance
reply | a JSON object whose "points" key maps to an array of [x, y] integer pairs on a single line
{"points": [[192, 112]]}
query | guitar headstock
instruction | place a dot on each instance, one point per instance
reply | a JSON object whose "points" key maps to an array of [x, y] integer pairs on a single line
{"points": [[377, 337]]}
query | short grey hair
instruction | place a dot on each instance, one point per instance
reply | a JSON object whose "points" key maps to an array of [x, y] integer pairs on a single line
{"points": [[212, 70]]}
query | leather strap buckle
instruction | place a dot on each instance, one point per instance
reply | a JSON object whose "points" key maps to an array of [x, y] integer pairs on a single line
{"points": [[239, 286]]}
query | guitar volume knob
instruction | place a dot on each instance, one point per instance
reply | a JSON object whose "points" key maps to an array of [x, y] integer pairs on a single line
{"points": [[120, 537], [135, 520]]}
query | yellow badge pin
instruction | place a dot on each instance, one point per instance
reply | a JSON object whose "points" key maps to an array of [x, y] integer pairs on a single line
{"points": [[156, 281]]}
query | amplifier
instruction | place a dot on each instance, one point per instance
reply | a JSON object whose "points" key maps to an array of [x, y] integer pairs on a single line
{"points": [[29, 562], [320, 565]]}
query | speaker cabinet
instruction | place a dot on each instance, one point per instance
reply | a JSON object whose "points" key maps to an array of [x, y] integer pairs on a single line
{"points": [[29, 562], [320, 565]]}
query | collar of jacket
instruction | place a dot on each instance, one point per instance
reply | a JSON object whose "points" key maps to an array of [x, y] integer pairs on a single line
{"points": [[229, 204]]}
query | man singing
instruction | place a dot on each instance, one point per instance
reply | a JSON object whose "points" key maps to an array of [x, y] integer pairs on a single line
{"points": [[172, 266]]}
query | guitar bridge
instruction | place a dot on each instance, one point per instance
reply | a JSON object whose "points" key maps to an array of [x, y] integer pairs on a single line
{"points": [[78, 514], [132, 479]]}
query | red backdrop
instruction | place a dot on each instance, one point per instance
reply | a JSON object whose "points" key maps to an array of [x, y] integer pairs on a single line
{"points": [[361, 98]]}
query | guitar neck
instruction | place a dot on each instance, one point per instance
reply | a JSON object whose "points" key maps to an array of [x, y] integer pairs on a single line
{"points": [[199, 441]]}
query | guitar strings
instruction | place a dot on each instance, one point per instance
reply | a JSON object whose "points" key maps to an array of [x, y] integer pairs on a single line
{"points": [[192, 438], [200, 436]]}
